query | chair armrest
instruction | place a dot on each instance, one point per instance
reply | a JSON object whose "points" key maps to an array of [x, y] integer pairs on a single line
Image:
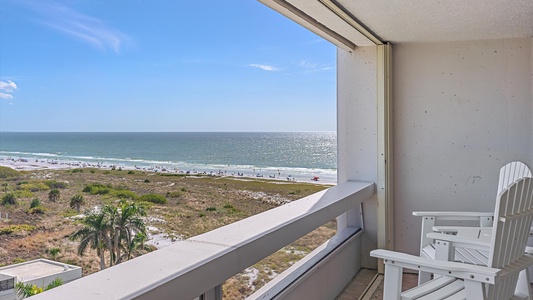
{"points": [[450, 268], [447, 268], [461, 241], [454, 215]]}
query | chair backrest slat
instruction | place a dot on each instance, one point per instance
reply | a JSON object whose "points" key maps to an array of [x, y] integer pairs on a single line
{"points": [[511, 172], [512, 221]]}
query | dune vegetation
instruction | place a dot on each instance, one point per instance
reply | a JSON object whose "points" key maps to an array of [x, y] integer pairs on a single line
{"points": [[39, 215]]}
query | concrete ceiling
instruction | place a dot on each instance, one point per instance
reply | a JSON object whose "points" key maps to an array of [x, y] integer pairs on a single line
{"points": [[399, 21]]}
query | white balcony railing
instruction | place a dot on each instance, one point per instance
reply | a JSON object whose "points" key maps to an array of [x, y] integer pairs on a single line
{"points": [[200, 264]]}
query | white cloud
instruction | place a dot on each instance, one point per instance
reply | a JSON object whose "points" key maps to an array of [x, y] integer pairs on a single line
{"points": [[313, 67], [79, 26], [7, 87], [265, 67]]}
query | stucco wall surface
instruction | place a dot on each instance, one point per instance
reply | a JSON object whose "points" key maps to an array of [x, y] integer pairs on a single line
{"points": [[357, 136], [461, 111]]}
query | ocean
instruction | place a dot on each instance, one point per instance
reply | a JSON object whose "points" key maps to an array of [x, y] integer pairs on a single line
{"points": [[298, 155]]}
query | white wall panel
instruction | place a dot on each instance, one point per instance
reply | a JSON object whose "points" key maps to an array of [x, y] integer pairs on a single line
{"points": [[461, 111], [357, 134]]}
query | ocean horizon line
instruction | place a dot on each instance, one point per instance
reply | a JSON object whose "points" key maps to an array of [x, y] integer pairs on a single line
{"points": [[184, 131]]}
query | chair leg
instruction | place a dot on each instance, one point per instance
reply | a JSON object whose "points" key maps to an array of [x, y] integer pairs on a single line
{"points": [[522, 286], [392, 286], [474, 290], [423, 277]]}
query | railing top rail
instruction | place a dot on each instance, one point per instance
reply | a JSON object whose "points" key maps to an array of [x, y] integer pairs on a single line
{"points": [[186, 269]]}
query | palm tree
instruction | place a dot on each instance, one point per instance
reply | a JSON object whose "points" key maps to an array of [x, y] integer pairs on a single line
{"points": [[137, 243], [94, 234], [112, 229], [76, 201], [127, 222], [53, 195]]}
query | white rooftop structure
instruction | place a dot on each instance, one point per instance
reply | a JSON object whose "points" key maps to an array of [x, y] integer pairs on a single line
{"points": [[40, 272]]}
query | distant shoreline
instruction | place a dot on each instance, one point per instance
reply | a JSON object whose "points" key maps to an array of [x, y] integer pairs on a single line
{"points": [[20, 163]]}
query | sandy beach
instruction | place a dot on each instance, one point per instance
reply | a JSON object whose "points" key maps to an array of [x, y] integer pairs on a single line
{"points": [[28, 164]]}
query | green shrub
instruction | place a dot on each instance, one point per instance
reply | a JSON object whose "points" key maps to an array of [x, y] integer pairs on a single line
{"points": [[146, 181], [6, 172], [36, 207], [145, 205], [211, 209], [154, 198], [9, 199], [54, 195], [54, 252], [92, 171], [125, 194], [96, 189], [106, 172], [230, 209], [17, 260], [183, 189], [53, 184], [173, 194], [37, 210], [23, 194], [78, 170], [201, 215], [33, 186], [131, 172], [16, 228], [34, 203]]}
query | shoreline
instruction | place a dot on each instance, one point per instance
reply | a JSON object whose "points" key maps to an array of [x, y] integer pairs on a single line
{"points": [[20, 163]]}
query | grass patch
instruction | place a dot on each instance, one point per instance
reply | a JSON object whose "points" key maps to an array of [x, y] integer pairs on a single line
{"points": [[23, 194], [53, 184], [97, 189], [173, 175], [154, 198], [18, 260], [122, 194], [35, 186], [16, 228], [9, 199], [6, 172], [174, 194]]}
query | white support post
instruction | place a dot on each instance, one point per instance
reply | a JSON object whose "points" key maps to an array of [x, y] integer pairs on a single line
{"points": [[385, 234], [357, 139]]}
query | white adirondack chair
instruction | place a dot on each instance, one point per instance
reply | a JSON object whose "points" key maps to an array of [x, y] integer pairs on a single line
{"points": [[454, 280], [482, 220]]}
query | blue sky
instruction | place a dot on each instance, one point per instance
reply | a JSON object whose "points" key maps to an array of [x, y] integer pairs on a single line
{"points": [[139, 65]]}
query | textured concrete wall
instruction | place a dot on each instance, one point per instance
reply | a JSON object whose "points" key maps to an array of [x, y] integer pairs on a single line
{"points": [[461, 111], [357, 135]]}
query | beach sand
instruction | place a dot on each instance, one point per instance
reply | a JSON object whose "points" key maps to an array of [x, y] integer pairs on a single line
{"points": [[28, 164]]}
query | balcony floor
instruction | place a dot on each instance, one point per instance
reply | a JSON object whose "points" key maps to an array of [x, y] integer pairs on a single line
{"points": [[368, 285]]}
